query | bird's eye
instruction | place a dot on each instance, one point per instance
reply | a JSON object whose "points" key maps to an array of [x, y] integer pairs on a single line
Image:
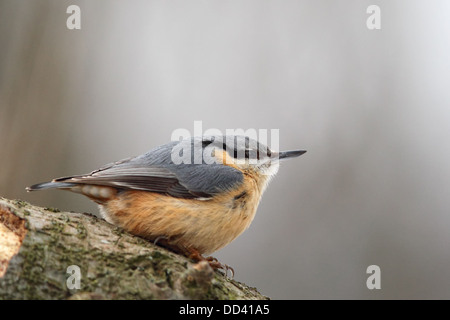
{"points": [[268, 152]]}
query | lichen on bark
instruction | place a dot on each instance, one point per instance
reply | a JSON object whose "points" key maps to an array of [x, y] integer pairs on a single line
{"points": [[113, 263]]}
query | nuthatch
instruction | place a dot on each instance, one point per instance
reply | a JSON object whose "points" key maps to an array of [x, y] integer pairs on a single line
{"points": [[193, 207]]}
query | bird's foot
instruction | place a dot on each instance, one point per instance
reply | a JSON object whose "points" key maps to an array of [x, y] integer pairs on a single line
{"points": [[213, 262]]}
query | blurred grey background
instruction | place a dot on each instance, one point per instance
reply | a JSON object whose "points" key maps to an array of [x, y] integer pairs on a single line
{"points": [[372, 107]]}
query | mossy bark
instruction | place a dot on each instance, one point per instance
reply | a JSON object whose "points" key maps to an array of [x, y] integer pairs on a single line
{"points": [[37, 245]]}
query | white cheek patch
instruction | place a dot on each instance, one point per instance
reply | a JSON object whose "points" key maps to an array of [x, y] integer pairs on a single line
{"points": [[272, 170]]}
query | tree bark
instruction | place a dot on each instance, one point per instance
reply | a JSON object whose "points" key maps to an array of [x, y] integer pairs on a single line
{"points": [[37, 245]]}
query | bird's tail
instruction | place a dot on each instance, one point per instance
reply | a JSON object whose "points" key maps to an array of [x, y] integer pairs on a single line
{"points": [[50, 185]]}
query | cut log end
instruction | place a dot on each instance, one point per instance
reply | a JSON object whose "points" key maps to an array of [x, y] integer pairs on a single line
{"points": [[12, 233]]}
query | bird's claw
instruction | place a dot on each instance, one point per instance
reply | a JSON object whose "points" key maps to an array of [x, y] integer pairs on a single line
{"points": [[213, 263]]}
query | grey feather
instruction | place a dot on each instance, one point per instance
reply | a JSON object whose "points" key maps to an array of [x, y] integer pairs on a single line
{"points": [[156, 172]]}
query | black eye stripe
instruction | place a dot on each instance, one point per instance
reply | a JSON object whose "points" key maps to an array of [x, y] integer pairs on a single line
{"points": [[206, 143], [247, 153], [252, 152]]}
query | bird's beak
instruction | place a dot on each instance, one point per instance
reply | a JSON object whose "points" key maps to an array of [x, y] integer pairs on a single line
{"points": [[287, 154]]}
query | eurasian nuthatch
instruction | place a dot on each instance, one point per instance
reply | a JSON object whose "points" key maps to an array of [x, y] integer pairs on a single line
{"points": [[192, 206]]}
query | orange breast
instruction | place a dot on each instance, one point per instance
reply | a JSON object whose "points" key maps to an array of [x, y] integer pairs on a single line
{"points": [[204, 225]]}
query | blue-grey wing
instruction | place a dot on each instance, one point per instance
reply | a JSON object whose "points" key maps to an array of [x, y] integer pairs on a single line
{"points": [[156, 172]]}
